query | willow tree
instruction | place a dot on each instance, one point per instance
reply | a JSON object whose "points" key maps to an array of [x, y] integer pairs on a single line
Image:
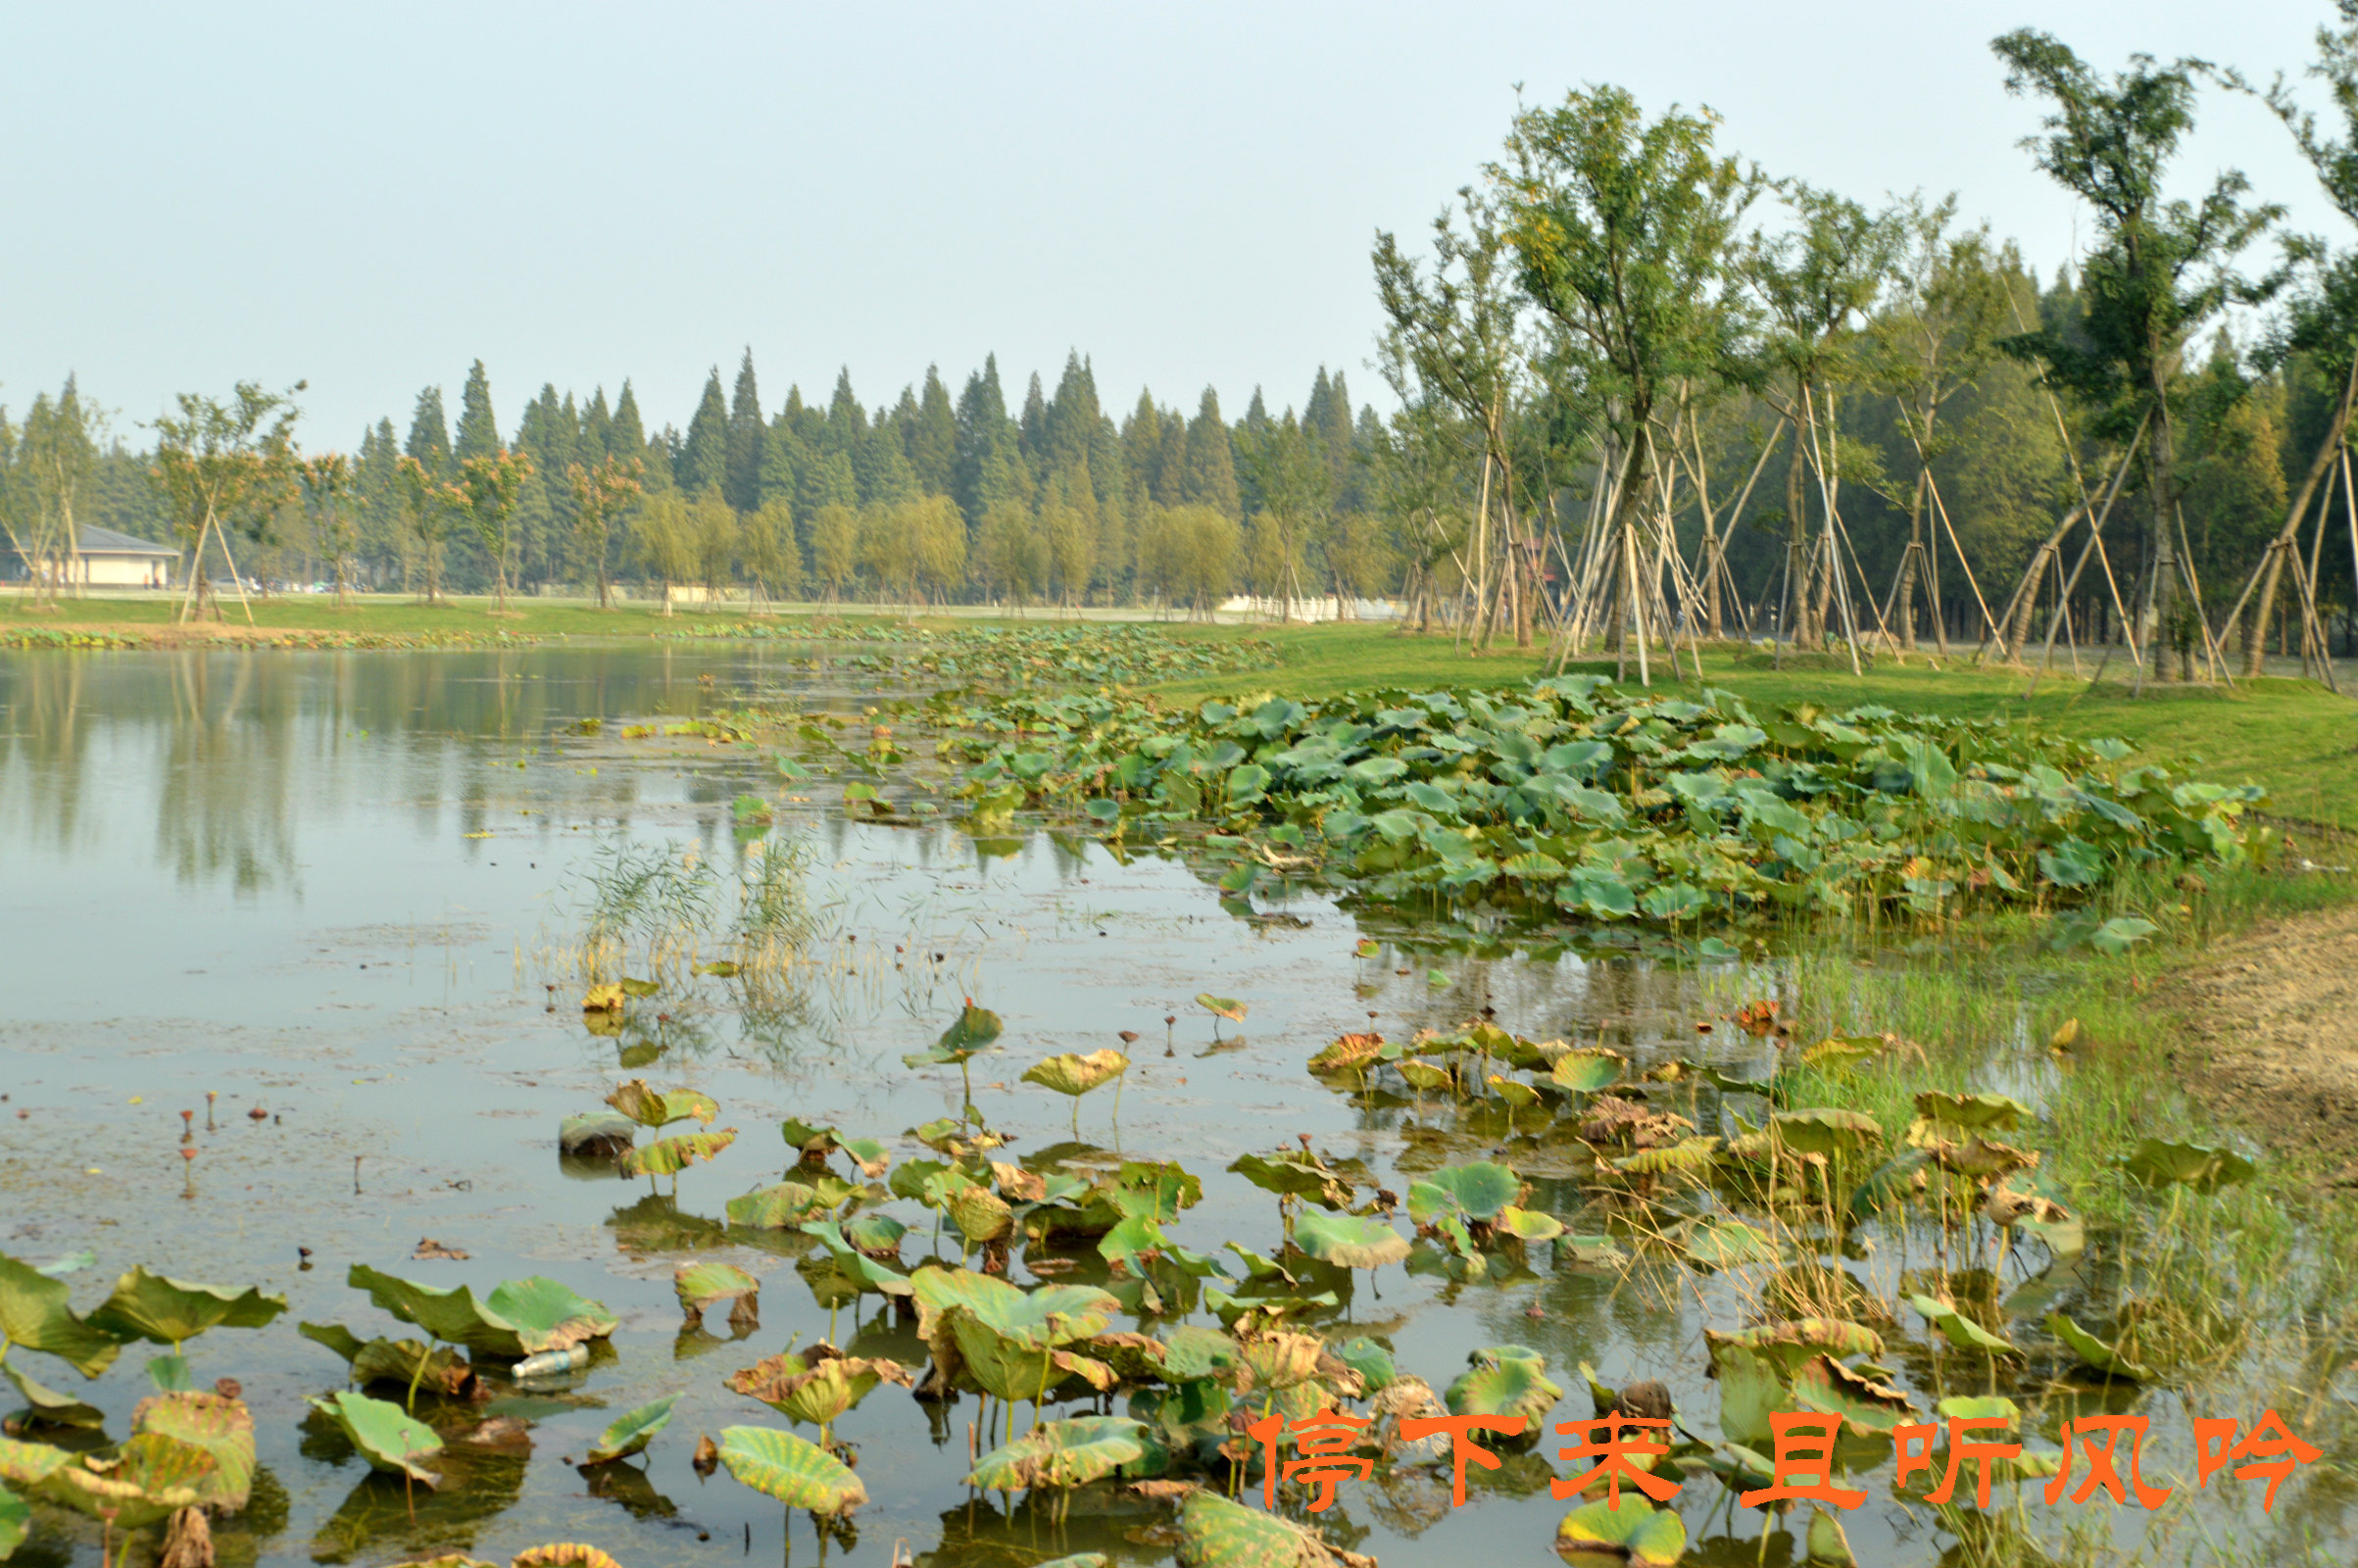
{"points": [[224, 465], [2160, 269], [1622, 231], [601, 490]]}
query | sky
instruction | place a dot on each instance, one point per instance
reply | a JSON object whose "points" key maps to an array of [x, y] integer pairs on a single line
{"points": [[370, 197]]}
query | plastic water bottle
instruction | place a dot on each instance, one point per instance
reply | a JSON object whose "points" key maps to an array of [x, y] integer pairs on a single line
{"points": [[553, 1363]]}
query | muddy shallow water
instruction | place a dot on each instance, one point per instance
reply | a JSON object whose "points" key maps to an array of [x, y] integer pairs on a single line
{"points": [[338, 888]]}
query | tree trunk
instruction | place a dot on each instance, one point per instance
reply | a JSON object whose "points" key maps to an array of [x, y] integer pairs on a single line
{"points": [[1796, 550]]}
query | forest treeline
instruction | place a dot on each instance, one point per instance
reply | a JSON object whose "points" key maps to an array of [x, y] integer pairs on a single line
{"points": [[1825, 411]]}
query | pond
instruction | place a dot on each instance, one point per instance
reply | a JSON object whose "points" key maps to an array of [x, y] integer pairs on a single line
{"points": [[327, 913]]}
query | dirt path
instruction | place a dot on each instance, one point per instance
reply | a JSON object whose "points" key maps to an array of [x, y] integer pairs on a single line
{"points": [[2277, 1013]]}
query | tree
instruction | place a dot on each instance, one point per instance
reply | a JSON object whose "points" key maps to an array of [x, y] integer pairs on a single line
{"points": [[433, 508], [429, 431], [2160, 269], [1188, 555], [931, 438], [664, 531], [1010, 560], [55, 454], [704, 458], [486, 493], [478, 432], [834, 548], [1297, 491], [330, 488], [713, 524], [748, 440], [600, 490], [223, 465], [1622, 231], [938, 532], [767, 542], [1209, 479]]}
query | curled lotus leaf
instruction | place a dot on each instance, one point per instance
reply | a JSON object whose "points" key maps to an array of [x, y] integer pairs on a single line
{"points": [[46, 1407], [1280, 1360], [1517, 1094], [1303, 1176], [1725, 1244], [221, 1426], [606, 997], [979, 1213], [1503, 1380], [651, 1107], [633, 1429], [1584, 1070], [563, 1554], [385, 1435], [1959, 1330], [1061, 1453], [667, 1156], [970, 1033], [1076, 1075], [1347, 1052], [1370, 1360], [2158, 1162], [865, 1272], [149, 1478], [817, 1387], [1825, 1546], [2095, 1353], [598, 1135], [1348, 1241], [1227, 1007], [1629, 1532], [1787, 1343], [1827, 1130], [383, 1360], [1996, 1113], [1010, 1342], [1867, 1406], [699, 1285], [797, 1473], [168, 1312], [1424, 1075], [519, 1318]]}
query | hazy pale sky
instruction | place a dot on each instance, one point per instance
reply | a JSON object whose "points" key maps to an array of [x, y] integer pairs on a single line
{"points": [[370, 197]]}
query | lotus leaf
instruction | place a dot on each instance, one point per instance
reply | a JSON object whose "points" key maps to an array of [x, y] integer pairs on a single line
{"points": [[667, 1156], [1867, 1407], [816, 1389], [1349, 1240], [1503, 1380], [1751, 1391], [1517, 1094], [1825, 1130], [519, 1318], [1689, 1156], [1227, 1007], [149, 1478], [1009, 1341], [797, 1473], [605, 997], [385, 1436], [1280, 1360], [383, 1361], [980, 1214], [1076, 1075], [1979, 1406], [1060, 1453], [1232, 1309], [1347, 1052], [16, 1523], [1632, 1531], [1786, 1344], [2158, 1162], [1370, 1360], [1888, 1186], [221, 1426], [169, 1373], [1725, 1243], [1839, 1052], [652, 1108], [170, 1311], [1587, 1069], [864, 1269], [1997, 1113], [699, 1285], [1423, 1075], [1302, 1176], [1961, 1331], [971, 1032], [1982, 1158], [1193, 1353], [779, 1205], [1477, 1192], [1529, 1225], [632, 1431], [563, 1554], [1825, 1546], [47, 1406], [875, 1234], [2096, 1353], [1155, 1188], [1215, 1532]]}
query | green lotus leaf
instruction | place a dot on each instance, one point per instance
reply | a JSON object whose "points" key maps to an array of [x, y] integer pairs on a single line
{"points": [[1215, 1532], [1076, 1075], [519, 1318], [814, 1389], [1725, 1243], [638, 988], [1529, 1225], [1370, 1360], [2158, 1162], [667, 1156], [1304, 1176], [1996, 1113], [1587, 1069], [1888, 1186], [778, 1206], [1978, 1407], [1227, 1007], [1348, 1241], [26, 1465], [169, 1311], [48, 1407], [150, 1477], [1503, 1380], [1518, 1094], [383, 1361], [1423, 1075], [633, 1429], [1961, 1331], [1060, 1453], [1689, 1156], [970, 1034], [1751, 1391], [1825, 1546], [700, 1285], [2096, 1353], [865, 1271], [652, 1108], [1837, 1053], [979, 1213], [1007, 1338], [1476, 1192], [385, 1436], [16, 1523], [1825, 1130], [1632, 1531], [221, 1426], [797, 1473], [1867, 1407], [1786, 1344], [874, 1233], [1193, 1353]]}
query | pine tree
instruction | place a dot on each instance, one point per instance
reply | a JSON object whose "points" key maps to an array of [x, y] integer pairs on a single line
{"points": [[1031, 429], [1168, 485], [598, 429], [782, 455], [1210, 477], [846, 420], [1141, 444], [931, 439], [822, 482], [478, 433], [1068, 424], [880, 470], [429, 432], [978, 477], [748, 440], [626, 436], [703, 463]]}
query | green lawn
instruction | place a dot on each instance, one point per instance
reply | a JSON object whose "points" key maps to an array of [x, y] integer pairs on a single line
{"points": [[2292, 735]]}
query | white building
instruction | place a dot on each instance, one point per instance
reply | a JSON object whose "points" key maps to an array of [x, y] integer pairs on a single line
{"points": [[109, 559]]}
